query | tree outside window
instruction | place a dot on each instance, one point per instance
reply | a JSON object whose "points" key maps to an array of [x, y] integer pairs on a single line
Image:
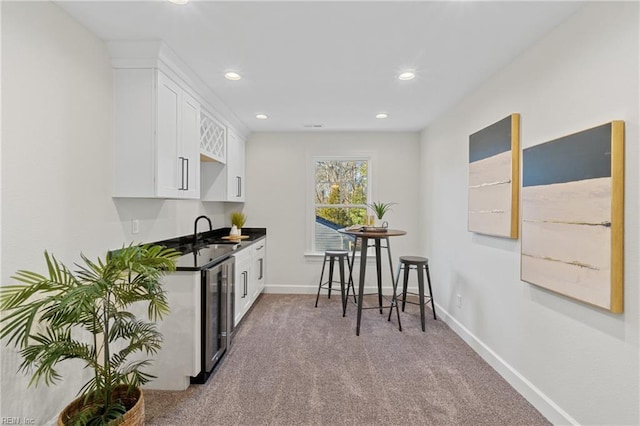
{"points": [[341, 195]]}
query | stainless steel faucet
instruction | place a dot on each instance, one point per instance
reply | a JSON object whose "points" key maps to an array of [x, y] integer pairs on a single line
{"points": [[195, 228]]}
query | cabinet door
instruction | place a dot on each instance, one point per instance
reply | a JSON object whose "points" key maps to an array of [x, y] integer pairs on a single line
{"points": [[235, 167], [259, 258], [168, 111], [190, 147], [241, 160], [242, 284]]}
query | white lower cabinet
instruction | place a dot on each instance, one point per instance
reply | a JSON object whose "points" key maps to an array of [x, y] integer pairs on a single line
{"points": [[250, 277], [180, 355], [259, 259], [242, 283]]}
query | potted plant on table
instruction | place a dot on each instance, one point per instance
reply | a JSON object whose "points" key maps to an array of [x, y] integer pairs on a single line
{"points": [[46, 318], [380, 209], [238, 219]]}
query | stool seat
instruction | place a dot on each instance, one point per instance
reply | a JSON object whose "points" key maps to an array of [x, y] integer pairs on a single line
{"points": [[337, 253], [414, 260]]}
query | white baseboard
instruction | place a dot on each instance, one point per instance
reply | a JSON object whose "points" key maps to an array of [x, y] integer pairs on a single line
{"points": [[528, 390]]}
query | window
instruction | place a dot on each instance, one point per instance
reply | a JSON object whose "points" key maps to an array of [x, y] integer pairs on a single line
{"points": [[341, 193]]}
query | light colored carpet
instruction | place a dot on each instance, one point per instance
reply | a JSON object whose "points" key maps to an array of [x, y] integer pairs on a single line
{"points": [[293, 364]]}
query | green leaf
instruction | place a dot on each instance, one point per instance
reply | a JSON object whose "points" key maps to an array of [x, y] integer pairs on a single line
{"points": [[380, 208], [48, 317]]}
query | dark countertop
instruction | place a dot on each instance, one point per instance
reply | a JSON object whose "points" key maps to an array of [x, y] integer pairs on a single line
{"points": [[210, 248]]}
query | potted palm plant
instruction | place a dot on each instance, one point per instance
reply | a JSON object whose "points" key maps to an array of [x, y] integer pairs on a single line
{"points": [[48, 318]]}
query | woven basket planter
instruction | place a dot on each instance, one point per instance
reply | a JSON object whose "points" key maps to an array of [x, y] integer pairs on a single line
{"points": [[134, 401]]}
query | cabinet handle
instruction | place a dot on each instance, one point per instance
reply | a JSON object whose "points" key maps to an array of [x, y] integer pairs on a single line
{"points": [[181, 174], [261, 263], [239, 182], [246, 283], [187, 174]]}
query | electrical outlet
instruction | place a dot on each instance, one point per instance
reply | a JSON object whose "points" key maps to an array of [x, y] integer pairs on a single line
{"points": [[135, 226], [459, 300]]}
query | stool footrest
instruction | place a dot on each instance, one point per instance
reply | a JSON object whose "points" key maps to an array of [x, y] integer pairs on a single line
{"points": [[426, 297]]}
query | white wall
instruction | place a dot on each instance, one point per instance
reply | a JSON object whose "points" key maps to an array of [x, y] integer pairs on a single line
{"points": [[56, 171], [576, 363], [278, 186], [56, 180]]}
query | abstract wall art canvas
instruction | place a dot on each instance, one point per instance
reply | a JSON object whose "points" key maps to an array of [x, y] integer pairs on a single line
{"points": [[494, 178], [573, 213]]}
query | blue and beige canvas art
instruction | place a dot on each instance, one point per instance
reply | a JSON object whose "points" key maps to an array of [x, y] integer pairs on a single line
{"points": [[572, 190], [494, 179]]}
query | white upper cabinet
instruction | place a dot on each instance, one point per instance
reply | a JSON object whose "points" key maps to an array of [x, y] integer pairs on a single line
{"points": [[156, 136], [213, 139], [225, 182], [168, 124], [190, 147], [235, 167]]}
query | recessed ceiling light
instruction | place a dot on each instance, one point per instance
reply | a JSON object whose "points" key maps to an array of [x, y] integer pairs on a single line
{"points": [[407, 75], [232, 76], [261, 116], [179, 1], [382, 115]]}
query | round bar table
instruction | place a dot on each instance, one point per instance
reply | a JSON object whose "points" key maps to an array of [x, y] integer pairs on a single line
{"points": [[377, 236]]}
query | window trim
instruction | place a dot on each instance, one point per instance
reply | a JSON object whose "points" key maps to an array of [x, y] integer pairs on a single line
{"points": [[310, 187]]}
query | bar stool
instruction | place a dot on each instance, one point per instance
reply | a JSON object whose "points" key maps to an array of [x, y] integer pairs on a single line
{"points": [[332, 256], [421, 265]]}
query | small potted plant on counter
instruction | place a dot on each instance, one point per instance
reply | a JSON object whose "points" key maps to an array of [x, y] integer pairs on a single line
{"points": [[238, 219], [380, 209], [48, 318]]}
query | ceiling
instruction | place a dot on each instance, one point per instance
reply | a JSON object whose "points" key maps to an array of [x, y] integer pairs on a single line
{"points": [[333, 64]]}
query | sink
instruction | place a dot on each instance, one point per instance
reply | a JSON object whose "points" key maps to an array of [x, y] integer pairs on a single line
{"points": [[204, 255], [216, 241], [214, 244], [184, 248], [216, 247]]}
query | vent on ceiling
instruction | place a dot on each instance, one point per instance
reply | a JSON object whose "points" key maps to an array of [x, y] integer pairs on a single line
{"points": [[313, 126]]}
